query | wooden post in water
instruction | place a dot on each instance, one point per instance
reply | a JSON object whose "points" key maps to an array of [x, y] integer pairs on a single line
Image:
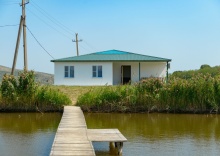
{"points": [[116, 147], [119, 146]]}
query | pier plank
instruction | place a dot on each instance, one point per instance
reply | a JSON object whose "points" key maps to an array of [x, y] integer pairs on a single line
{"points": [[105, 135], [73, 137]]}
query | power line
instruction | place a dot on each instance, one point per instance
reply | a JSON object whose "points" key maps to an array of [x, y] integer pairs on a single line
{"points": [[51, 26], [84, 48], [9, 25], [64, 30], [89, 45], [48, 24], [8, 3], [39, 43], [59, 24], [53, 19]]}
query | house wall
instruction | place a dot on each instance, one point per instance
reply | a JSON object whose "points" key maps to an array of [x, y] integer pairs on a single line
{"points": [[83, 74], [153, 69], [147, 69]]}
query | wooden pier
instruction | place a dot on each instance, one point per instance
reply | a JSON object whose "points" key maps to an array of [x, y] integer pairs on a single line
{"points": [[73, 137]]}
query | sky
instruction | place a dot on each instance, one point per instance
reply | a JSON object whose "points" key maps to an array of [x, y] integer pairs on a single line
{"points": [[186, 31]]}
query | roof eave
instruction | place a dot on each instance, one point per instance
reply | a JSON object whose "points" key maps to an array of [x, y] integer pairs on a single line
{"points": [[111, 60]]}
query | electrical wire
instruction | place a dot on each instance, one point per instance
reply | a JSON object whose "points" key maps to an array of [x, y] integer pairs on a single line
{"points": [[55, 28], [8, 2], [39, 43], [9, 25], [48, 24], [84, 48], [89, 45], [52, 19], [59, 24]]}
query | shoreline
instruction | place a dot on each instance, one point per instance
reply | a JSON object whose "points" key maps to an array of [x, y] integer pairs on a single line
{"points": [[96, 110], [22, 110], [141, 111]]}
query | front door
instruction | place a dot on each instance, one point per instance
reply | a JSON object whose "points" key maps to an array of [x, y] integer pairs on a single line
{"points": [[125, 74]]}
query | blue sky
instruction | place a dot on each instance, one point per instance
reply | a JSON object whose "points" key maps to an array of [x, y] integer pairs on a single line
{"points": [[186, 31]]}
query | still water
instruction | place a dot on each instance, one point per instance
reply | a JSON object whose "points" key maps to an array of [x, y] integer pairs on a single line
{"points": [[161, 134], [24, 134], [27, 134]]}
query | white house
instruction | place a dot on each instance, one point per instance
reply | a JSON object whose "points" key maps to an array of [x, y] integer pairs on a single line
{"points": [[110, 67]]}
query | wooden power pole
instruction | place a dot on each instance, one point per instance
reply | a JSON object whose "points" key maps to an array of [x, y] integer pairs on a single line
{"points": [[77, 48], [22, 25], [17, 46], [24, 35]]}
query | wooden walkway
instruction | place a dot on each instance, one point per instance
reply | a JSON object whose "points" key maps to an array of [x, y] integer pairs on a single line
{"points": [[73, 137]]}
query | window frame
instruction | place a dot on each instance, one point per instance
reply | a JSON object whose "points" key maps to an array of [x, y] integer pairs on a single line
{"points": [[66, 71], [69, 72], [94, 70], [97, 71]]}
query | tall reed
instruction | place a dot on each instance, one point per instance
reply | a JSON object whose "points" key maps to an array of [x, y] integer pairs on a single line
{"points": [[199, 94]]}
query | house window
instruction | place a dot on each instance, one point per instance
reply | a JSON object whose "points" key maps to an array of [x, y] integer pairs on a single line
{"points": [[69, 71], [99, 71], [66, 73], [96, 71]]}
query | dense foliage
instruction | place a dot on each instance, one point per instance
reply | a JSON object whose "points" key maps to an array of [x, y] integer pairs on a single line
{"points": [[24, 94], [204, 69], [198, 94]]}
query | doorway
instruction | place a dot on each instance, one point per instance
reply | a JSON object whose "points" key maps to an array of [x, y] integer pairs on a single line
{"points": [[125, 74]]}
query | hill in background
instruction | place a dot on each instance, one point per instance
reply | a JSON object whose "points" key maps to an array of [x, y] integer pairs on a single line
{"points": [[40, 77]]}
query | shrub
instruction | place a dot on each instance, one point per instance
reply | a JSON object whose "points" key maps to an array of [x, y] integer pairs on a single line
{"points": [[24, 94], [9, 87]]}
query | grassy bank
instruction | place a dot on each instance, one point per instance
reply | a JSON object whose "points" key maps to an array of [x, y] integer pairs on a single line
{"points": [[199, 94], [24, 94], [73, 92]]}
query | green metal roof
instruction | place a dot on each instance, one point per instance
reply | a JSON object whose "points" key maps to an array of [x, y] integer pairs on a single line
{"points": [[112, 56]]}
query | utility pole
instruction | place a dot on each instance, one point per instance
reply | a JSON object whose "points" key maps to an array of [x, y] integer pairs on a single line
{"points": [[22, 24], [17, 46], [24, 35], [77, 48]]}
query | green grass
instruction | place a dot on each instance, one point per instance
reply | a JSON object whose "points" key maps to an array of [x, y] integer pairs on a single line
{"points": [[73, 92]]}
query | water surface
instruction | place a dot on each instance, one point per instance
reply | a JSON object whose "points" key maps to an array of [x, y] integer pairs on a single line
{"points": [[148, 134], [160, 134], [23, 134]]}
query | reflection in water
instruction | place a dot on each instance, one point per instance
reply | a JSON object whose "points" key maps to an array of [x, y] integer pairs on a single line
{"points": [[161, 134], [27, 133]]}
